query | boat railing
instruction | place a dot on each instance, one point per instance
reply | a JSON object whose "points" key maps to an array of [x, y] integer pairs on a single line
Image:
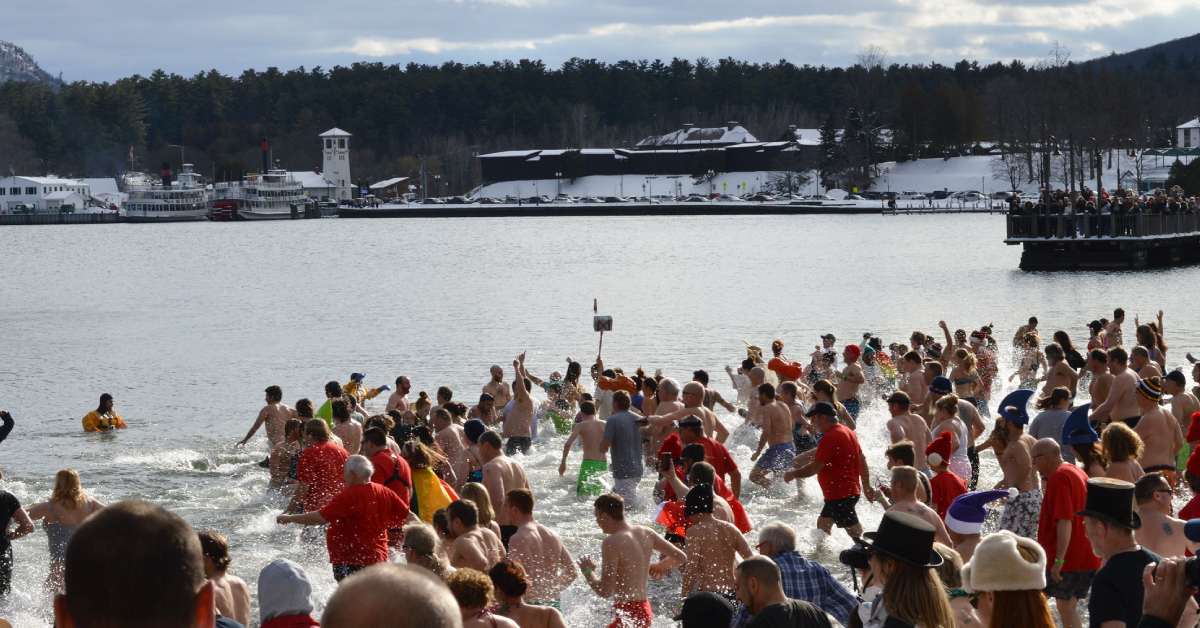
{"points": [[1050, 226]]}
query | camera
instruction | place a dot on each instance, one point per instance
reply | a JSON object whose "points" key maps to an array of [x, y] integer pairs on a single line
{"points": [[856, 556]]}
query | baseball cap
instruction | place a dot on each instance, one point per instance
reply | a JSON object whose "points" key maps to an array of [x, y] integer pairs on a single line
{"points": [[941, 384], [821, 407]]}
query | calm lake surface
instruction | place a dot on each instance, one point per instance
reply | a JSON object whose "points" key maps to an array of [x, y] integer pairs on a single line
{"points": [[186, 324]]}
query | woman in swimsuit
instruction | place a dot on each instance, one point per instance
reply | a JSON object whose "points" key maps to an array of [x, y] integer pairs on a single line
{"points": [[478, 494], [67, 508], [473, 590], [965, 376], [824, 390], [1031, 359], [1122, 447], [511, 583]]}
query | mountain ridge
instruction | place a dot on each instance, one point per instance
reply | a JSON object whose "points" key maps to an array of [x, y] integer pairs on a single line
{"points": [[18, 65]]}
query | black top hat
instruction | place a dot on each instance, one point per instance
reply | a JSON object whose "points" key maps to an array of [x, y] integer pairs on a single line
{"points": [[1112, 501], [905, 537], [705, 609]]}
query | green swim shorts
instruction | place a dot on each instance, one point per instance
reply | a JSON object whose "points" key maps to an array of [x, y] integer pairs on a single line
{"points": [[588, 484]]}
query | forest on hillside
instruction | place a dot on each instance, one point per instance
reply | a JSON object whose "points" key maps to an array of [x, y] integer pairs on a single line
{"points": [[446, 114]]}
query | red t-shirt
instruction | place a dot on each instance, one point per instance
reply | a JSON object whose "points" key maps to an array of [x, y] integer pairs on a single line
{"points": [[1066, 495], [714, 453], [839, 453], [359, 518], [945, 486], [1193, 431], [1191, 510], [787, 370], [321, 470], [393, 472]]}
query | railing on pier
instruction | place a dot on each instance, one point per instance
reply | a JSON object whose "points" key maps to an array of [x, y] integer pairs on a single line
{"points": [[1101, 226]]}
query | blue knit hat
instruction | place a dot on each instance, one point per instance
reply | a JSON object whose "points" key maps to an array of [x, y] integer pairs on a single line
{"points": [[1013, 407], [967, 512]]}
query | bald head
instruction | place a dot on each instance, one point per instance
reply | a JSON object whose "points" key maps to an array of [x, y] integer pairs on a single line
{"points": [[758, 375], [693, 393], [1046, 447], [1047, 456], [392, 595]]}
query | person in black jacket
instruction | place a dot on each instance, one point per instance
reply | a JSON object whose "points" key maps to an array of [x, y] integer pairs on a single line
{"points": [[5, 429]]}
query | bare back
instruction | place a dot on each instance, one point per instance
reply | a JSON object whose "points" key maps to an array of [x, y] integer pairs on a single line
{"points": [[712, 549], [777, 423], [1162, 535], [501, 475], [1161, 435], [275, 416], [1017, 464], [913, 507], [591, 434], [1099, 388], [351, 434], [478, 548], [626, 555], [232, 598]]}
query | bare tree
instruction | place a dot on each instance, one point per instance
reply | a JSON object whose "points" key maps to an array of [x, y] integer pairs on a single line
{"points": [[1011, 166], [872, 57]]}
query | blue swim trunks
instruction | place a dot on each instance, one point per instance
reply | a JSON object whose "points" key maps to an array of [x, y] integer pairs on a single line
{"points": [[777, 457], [853, 405]]}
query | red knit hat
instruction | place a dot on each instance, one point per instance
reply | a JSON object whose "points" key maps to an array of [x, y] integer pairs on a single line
{"points": [[939, 450], [853, 352]]}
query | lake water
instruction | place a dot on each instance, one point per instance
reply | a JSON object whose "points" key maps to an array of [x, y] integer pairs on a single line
{"points": [[186, 324]]}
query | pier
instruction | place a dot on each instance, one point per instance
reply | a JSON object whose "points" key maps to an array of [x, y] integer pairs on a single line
{"points": [[1105, 242], [55, 218], [670, 208]]}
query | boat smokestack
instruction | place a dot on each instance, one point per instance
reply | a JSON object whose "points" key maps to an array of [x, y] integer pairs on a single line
{"points": [[266, 155], [166, 174]]}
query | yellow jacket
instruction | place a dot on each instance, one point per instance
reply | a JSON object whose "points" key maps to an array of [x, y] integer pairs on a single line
{"points": [[95, 422], [355, 389]]}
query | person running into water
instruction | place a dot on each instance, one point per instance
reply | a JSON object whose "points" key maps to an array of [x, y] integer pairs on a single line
{"points": [[776, 436], [589, 431], [1121, 403], [497, 388], [473, 591], [274, 415], [230, 593], [512, 586], [850, 379], [104, 418], [474, 547], [284, 456], [841, 469], [518, 422], [68, 507], [346, 428], [905, 481], [539, 550], [1123, 448], [623, 438], [1161, 437], [626, 557], [501, 474], [1059, 373], [398, 400], [712, 546], [1020, 514], [693, 405], [452, 441], [906, 426]]}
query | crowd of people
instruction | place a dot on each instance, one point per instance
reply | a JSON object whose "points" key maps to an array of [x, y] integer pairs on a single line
{"points": [[1083, 513], [1060, 213]]}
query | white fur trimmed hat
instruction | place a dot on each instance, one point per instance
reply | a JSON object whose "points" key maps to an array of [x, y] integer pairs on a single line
{"points": [[997, 565]]}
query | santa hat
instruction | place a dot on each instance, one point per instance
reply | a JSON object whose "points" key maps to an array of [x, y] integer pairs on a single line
{"points": [[966, 514], [939, 450], [998, 565], [1193, 463], [853, 352]]}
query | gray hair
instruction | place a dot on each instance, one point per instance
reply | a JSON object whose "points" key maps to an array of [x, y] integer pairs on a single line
{"points": [[669, 386], [421, 539], [359, 467], [780, 535]]}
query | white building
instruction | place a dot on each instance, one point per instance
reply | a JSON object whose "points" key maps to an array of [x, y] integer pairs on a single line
{"points": [[41, 194], [1187, 135], [335, 165], [315, 185]]}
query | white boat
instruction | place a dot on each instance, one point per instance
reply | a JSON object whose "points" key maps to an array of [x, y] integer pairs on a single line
{"points": [[270, 196], [185, 198]]}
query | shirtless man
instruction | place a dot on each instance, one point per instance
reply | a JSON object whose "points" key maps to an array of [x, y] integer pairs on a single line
{"points": [[1112, 331], [501, 474], [712, 396], [776, 436], [498, 388], [518, 422], [693, 404], [1058, 372], [1140, 363], [230, 593], [539, 550], [914, 384], [485, 410], [1030, 327], [347, 429], [398, 400], [1102, 380], [904, 499], [589, 430], [904, 425], [1160, 533], [452, 440], [668, 405], [1121, 403], [1160, 432], [626, 555], [712, 546], [850, 379], [802, 429], [753, 410], [274, 415], [1020, 514], [473, 547], [1183, 402]]}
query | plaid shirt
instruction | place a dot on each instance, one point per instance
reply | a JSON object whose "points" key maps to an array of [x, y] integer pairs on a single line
{"points": [[809, 581]]}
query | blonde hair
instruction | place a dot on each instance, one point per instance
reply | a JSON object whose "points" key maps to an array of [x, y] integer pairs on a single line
{"points": [[1121, 443], [479, 495], [915, 595], [966, 359], [68, 491], [948, 403], [950, 571]]}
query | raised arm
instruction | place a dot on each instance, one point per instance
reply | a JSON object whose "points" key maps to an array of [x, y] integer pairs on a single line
{"points": [[6, 429], [519, 391]]}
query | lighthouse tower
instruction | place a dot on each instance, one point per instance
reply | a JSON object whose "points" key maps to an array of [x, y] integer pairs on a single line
{"points": [[335, 166]]}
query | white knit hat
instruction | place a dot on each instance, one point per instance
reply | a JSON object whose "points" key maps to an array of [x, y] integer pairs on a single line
{"points": [[997, 565]]}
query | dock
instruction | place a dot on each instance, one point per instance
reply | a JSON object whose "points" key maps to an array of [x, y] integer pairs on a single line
{"points": [[55, 218], [1105, 242], [670, 208]]}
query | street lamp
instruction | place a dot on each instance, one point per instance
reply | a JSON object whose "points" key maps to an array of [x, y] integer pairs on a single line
{"points": [[558, 180], [436, 179], [180, 147]]}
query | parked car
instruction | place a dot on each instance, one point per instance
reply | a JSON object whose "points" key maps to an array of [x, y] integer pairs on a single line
{"points": [[614, 199], [459, 200], [938, 195], [761, 198], [695, 198], [487, 200], [970, 196], [911, 196], [854, 197], [433, 200], [872, 196]]}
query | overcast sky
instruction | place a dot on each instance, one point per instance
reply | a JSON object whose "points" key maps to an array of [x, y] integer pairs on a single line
{"points": [[107, 39]]}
